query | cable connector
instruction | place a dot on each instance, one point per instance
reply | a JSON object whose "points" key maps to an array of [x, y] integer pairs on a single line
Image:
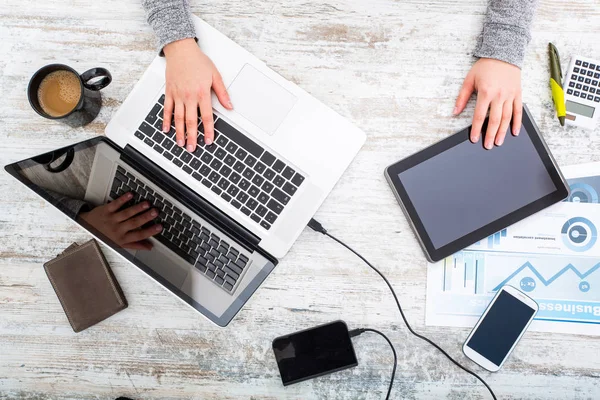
{"points": [[356, 332], [316, 226]]}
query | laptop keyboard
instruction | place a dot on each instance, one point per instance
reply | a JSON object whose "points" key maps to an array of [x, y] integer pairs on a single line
{"points": [[218, 259], [236, 168]]}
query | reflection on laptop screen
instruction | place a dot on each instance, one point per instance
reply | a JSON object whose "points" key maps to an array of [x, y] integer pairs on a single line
{"points": [[103, 190]]}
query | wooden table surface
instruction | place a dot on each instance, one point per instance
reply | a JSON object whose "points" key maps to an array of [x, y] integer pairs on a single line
{"points": [[394, 69]]}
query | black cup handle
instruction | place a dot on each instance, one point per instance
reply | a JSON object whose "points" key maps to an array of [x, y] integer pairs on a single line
{"points": [[96, 73]]}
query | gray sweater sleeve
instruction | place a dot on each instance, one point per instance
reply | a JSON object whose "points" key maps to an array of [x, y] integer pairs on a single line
{"points": [[170, 19], [506, 30]]}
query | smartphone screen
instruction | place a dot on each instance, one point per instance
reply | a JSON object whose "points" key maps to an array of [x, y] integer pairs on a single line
{"points": [[314, 352], [501, 327]]}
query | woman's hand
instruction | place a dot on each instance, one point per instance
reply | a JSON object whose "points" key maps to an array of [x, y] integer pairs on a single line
{"points": [[124, 227], [190, 76], [498, 87]]}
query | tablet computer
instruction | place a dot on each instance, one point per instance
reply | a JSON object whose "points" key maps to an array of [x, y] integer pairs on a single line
{"points": [[455, 193]]}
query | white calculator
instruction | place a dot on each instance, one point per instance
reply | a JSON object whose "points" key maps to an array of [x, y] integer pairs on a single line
{"points": [[582, 92]]}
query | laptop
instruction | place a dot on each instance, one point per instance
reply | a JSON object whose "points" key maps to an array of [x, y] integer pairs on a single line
{"points": [[230, 210]]}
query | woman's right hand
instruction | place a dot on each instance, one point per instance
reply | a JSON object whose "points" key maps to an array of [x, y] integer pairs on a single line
{"points": [[498, 87], [190, 76]]}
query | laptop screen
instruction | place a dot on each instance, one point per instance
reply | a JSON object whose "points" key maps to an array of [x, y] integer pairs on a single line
{"points": [[117, 200]]}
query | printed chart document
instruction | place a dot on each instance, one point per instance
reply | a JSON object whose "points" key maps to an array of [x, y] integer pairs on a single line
{"points": [[553, 256]]}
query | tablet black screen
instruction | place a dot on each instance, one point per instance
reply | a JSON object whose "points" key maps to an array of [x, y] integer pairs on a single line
{"points": [[467, 187]]}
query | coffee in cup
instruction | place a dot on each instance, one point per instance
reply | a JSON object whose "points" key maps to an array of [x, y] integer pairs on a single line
{"points": [[59, 93]]}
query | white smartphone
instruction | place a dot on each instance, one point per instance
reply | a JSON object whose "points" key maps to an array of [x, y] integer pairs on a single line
{"points": [[500, 328]]}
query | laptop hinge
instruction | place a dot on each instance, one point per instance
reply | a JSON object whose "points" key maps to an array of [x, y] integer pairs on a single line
{"points": [[192, 200]]}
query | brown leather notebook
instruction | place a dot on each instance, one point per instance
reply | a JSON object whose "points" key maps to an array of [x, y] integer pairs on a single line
{"points": [[85, 285]]}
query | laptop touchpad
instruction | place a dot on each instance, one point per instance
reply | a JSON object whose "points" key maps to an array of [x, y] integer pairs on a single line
{"points": [[260, 100], [165, 266]]}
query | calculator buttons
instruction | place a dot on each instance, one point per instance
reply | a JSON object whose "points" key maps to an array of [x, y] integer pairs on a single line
{"points": [[584, 83]]}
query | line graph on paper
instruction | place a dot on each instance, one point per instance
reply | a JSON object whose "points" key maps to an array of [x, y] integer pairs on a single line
{"points": [[479, 273], [567, 289], [529, 282]]}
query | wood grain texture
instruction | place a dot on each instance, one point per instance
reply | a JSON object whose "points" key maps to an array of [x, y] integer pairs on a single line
{"points": [[393, 68]]}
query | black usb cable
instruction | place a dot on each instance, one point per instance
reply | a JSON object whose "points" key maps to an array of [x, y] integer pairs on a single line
{"points": [[316, 226], [356, 332]]}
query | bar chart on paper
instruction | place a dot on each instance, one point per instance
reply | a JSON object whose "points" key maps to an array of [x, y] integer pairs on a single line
{"points": [[464, 273], [494, 240]]}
